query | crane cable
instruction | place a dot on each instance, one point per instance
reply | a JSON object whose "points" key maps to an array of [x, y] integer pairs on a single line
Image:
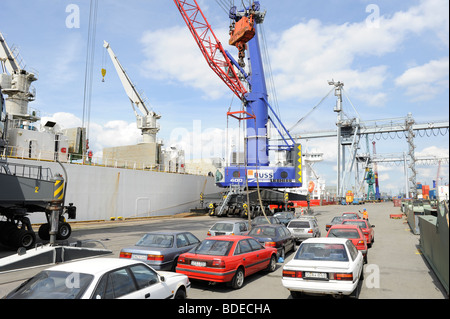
{"points": [[90, 53]]}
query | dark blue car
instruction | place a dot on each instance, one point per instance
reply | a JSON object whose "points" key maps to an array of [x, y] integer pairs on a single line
{"points": [[275, 235]]}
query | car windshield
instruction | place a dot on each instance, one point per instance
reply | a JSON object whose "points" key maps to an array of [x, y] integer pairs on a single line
{"points": [[214, 247], [350, 215], [263, 220], [320, 251], [361, 224], [299, 224], [344, 233], [156, 240], [337, 220], [222, 227], [53, 285], [263, 232], [283, 215]]}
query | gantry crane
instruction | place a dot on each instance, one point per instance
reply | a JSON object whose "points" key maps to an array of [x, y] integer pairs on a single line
{"points": [[147, 122], [251, 90]]}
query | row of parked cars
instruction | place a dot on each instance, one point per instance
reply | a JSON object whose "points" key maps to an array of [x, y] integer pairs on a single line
{"points": [[161, 264]]}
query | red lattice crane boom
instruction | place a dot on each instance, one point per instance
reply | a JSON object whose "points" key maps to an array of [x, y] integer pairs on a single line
{"points": [[210, 46]]}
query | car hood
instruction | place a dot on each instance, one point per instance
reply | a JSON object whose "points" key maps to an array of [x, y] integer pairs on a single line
{"points": [[318, 265]]}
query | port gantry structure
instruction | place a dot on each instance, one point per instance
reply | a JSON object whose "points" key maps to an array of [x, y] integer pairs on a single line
{"points": [[350, 131]]}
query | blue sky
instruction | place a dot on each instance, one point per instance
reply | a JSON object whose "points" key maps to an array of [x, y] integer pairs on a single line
{"points": [[393, 64]]}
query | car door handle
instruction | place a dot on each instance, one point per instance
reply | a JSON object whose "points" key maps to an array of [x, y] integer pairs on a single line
{"points": [[147, 296], [243, 258]]}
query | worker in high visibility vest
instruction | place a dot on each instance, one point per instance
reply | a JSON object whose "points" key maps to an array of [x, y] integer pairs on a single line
{"points": [[365, 214]]}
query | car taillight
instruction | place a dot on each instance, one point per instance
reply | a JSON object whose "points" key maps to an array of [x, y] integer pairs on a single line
{"points": [[270, 244], [328, 226], [346, 277], [181, 260], [292, 274], [155, 257], [310, 231], [218, 263], [360, 242], [208, 234], [125, 255]]}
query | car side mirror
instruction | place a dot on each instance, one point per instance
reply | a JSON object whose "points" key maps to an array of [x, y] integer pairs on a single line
{"points": [[162, 278], [373, 226]]}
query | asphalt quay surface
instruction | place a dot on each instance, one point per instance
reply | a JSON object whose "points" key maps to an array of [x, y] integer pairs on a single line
{"points": [[396, 268]]}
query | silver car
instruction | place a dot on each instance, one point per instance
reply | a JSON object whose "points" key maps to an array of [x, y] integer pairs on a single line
{"points": [[161, 249], [304, 228], [229, 227]]}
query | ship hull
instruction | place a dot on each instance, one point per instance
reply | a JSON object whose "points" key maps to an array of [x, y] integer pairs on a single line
{"points": [[102, 193]]}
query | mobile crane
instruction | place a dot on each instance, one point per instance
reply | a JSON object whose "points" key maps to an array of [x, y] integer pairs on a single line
{"points": [[257, 177]]}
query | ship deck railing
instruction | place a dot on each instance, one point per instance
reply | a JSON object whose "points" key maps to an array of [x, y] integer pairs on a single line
{"points": [[15, 152]]}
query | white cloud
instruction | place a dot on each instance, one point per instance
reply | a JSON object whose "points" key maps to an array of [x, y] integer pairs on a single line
{"points": [[425, 81], [172, 54], [310, 53]]}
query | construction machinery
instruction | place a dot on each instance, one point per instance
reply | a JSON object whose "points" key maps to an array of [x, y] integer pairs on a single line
{"points": [[256, 175]]}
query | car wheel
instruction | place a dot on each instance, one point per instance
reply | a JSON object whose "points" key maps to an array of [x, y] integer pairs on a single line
{"points": [[238, 280], [272, 264], [64, 231], [180, 294]]}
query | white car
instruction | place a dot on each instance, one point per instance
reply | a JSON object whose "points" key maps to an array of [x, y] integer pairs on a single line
{"points": [[331, 266], [229, 227], [103, 278]]}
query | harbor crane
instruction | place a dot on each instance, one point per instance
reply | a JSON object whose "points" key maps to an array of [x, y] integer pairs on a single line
{"points": [[256, 112], [147, 122]]}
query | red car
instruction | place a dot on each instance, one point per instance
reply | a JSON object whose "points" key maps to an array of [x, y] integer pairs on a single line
{"points": [[352, 232], [227, 259], [366, 228]]}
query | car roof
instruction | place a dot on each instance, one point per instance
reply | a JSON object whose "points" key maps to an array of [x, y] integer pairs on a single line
{"points": [[166, 232], [344, 226], [326, 240], [354, 220], [94, 266], [228, 237], [231, 221], [270, 225]]}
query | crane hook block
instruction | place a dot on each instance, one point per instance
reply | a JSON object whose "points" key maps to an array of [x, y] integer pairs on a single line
{"points": [[103, 75], [242, 32]]}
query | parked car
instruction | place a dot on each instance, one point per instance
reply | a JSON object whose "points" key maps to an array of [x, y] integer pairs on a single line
{"points": [[303, 228], [352, 232], [262, 220], [366, 228], [351, 215], [161, 249], [229, 227], [103, 278], [335, 221], [284, 217], [331, 266], [277, 236], [227, 259]]}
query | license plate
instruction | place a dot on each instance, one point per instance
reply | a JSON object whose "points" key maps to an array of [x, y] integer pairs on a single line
{"points": [[198, 263], [140, 257], [299, 230], [316, 275]]}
